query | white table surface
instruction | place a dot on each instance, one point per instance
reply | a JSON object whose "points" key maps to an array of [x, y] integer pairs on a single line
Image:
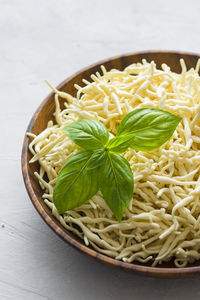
{"points": [[51, 40]]}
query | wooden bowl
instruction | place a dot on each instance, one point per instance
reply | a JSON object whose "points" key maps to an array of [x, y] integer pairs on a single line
{"points": [[38, 123]]}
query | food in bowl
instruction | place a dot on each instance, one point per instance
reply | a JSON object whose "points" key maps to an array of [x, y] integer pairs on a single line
{"points": [[162, 220]]}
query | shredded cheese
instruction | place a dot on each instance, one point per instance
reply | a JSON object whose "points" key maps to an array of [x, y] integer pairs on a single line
{"points": [[163, 219]]}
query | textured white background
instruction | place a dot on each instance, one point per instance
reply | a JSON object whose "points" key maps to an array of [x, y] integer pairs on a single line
{"points": [[51, 40]]}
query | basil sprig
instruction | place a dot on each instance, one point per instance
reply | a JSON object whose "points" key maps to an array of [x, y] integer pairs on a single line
{"points": [[100, 166]]}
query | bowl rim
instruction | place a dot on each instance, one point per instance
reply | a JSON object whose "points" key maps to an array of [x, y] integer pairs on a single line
{"points": [[140, 269]]}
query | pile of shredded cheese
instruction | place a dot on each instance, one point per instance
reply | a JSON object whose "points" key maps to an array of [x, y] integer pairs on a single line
{"points": [[162, 221]]}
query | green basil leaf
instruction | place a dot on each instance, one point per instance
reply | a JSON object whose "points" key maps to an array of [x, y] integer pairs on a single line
{"points": [[97, 159], [116, 183], [75, 184], [119, 144], [151, 127], [88, 134]]}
